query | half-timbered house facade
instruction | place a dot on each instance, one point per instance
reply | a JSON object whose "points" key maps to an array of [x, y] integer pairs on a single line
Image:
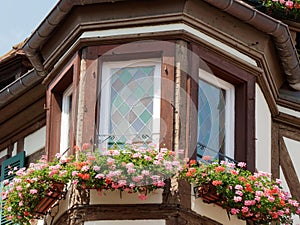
{"points": [[207, 76]]}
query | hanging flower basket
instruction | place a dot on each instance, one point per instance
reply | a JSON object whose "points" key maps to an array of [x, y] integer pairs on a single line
{"points": [[52, 195]]}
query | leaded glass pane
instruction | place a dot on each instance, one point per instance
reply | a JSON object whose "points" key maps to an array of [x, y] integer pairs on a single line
{"points": [[211, 120], [131, 104]]}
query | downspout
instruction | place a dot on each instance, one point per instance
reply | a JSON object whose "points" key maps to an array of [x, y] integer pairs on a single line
{"points": [[279, 31]]}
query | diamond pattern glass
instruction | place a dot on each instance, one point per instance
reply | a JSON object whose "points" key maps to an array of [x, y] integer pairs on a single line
{"points": [[131, 108]]}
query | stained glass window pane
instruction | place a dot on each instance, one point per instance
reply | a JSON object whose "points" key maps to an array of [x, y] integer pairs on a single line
{"points": [[131, 105], [211, 120]]}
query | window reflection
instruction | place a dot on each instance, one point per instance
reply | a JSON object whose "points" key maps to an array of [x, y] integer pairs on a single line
{"points": [[211, 120]]}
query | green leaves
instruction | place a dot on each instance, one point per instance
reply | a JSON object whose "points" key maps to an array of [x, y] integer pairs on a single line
{"points": [[249, 196]]}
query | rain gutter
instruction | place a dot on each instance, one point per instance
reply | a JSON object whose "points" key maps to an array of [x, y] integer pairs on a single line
{"points": [[278, 30], [260, 21], [45, 29], [18, 86]]}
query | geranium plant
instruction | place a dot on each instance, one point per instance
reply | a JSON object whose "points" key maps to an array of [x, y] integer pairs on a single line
{"points": [[282, 9], [29, 186], [249, 196], [134, 168]]}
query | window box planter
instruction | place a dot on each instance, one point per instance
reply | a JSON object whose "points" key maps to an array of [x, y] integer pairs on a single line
{"points": [[124, 197], [250, 196], [53, 194], [208, 194]]}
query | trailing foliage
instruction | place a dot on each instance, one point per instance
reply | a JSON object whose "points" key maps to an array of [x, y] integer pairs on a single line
{"points": [[249, 196]]}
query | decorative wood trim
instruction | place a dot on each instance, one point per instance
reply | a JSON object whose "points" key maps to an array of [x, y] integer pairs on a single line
{"points": [[53, 125], [192, 103], [20, 145], [112, 212], [167, 95], [289, 171], [289, 131], [173, 214], [187, 216], [76, 78], [89, 78], [180, 102], [184, 194], [290, 122], [275, 150]]}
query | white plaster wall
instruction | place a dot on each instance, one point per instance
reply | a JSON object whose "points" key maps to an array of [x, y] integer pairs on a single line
{"points": [[286, 188], [35, 141], [114, 197], [127, 222], [214, 212], [293, 148], [262, 132], [3, 152]]}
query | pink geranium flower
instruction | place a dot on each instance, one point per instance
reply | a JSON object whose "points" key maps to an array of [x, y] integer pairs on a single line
{"points": [[33, 191], [289, 4], [234, 211]]}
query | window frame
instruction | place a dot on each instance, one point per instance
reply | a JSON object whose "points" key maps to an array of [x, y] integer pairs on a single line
{"points": [[66, 114], [244, 83], [64, 79], [132, 51], [229, 108]]}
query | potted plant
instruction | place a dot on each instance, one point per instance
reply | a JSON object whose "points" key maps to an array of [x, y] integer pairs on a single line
{"points": [[250, 196], [136, 168], [282, 9], [31, 186]]}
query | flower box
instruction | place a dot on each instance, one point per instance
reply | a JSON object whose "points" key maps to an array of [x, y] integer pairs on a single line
{"points": [[250, 196], [54, 193], [123, 197], [208, 193], [136, 169]]}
